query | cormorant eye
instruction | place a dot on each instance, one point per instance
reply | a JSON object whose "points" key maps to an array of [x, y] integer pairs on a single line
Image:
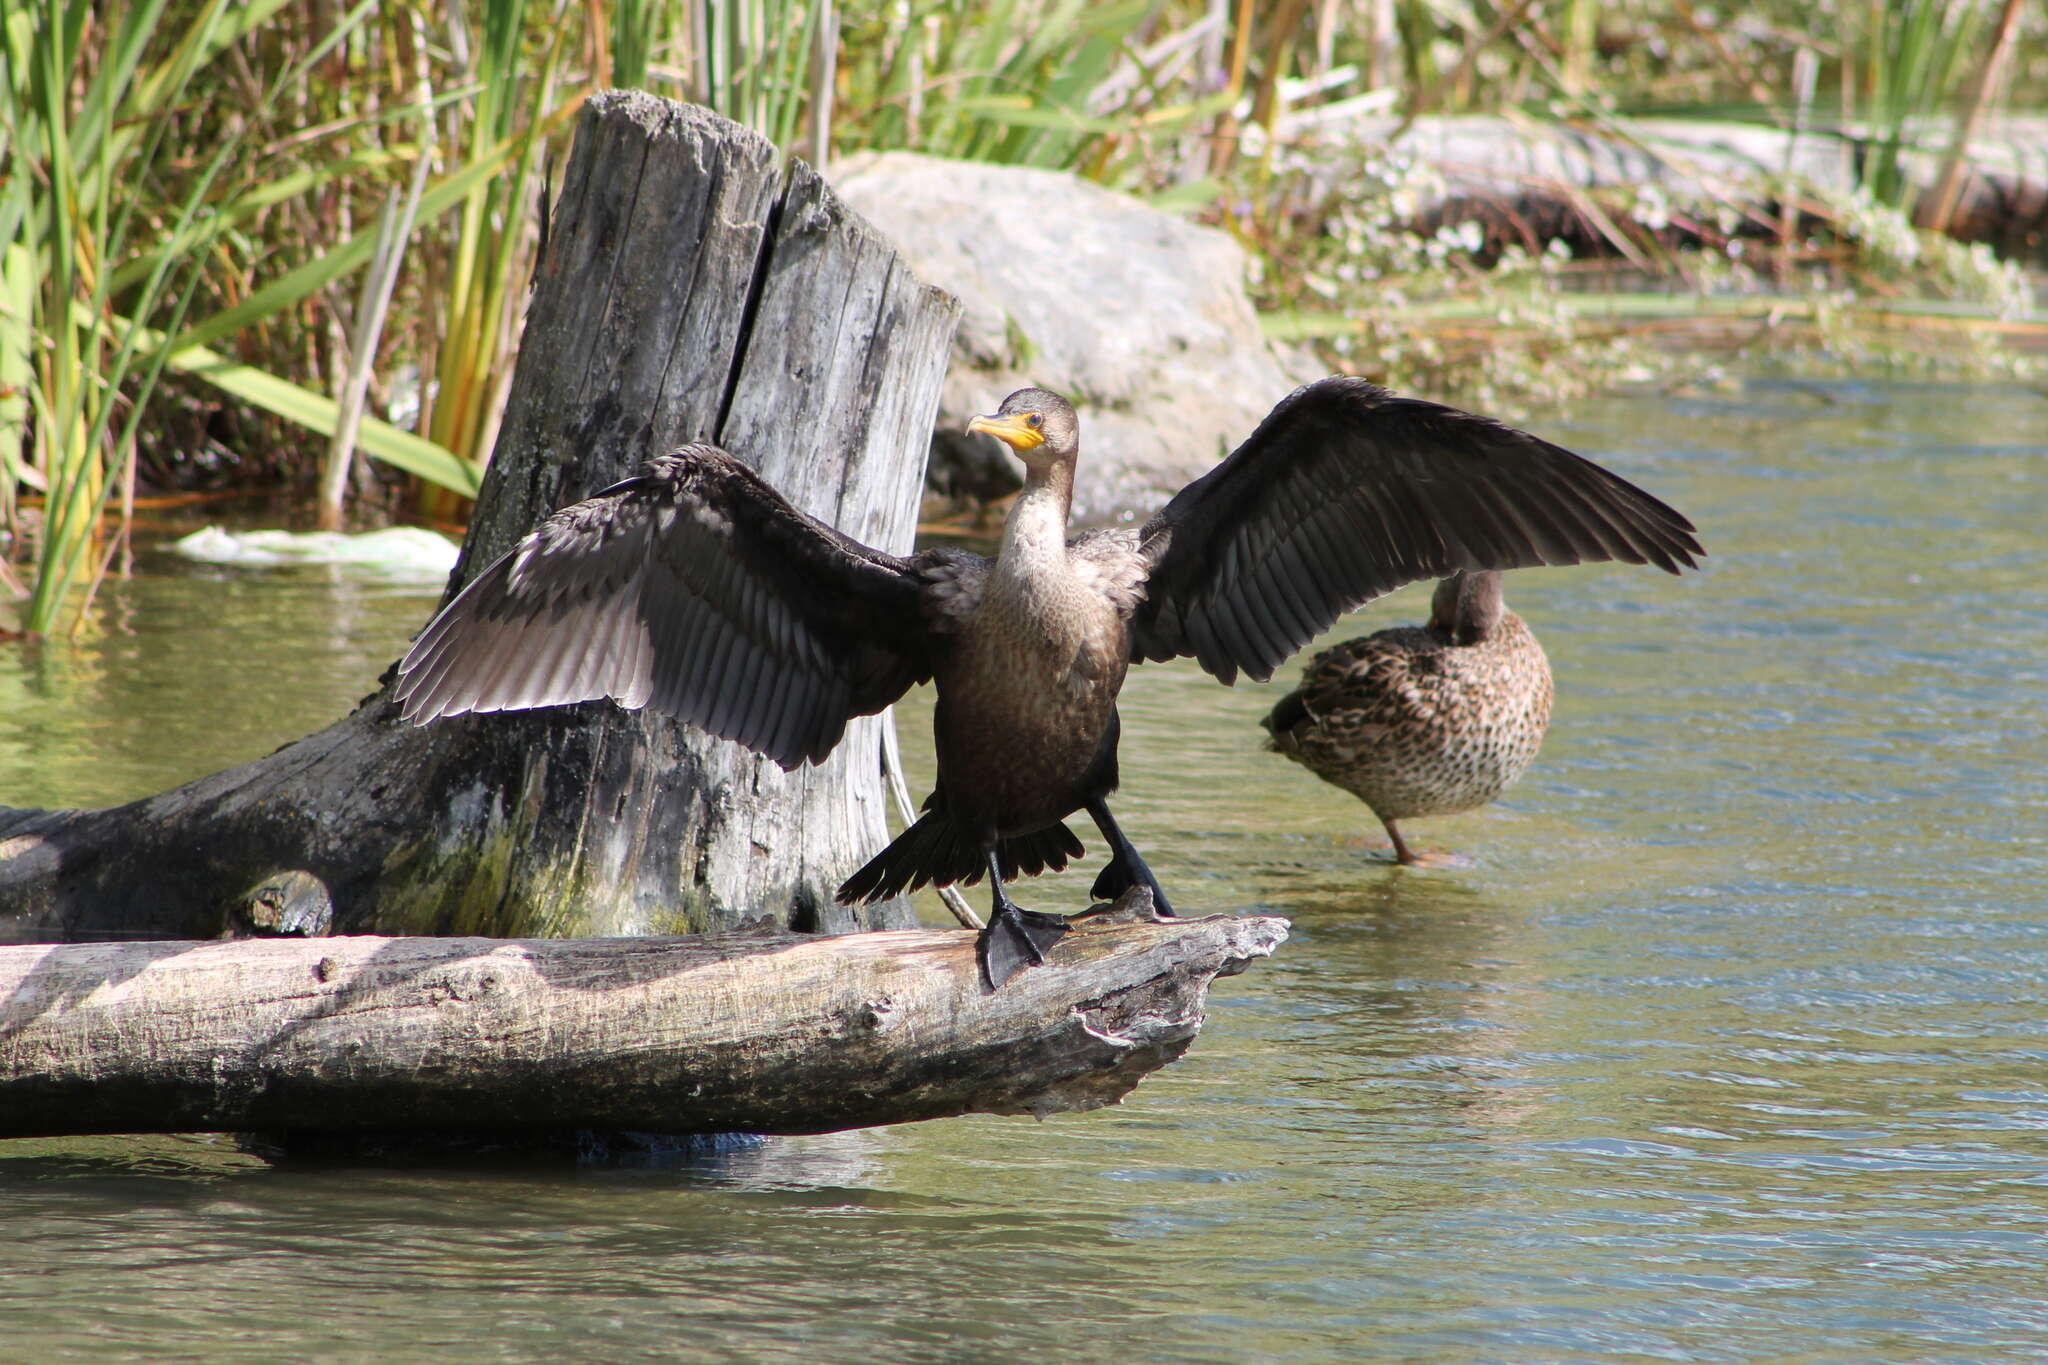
{"points": [[1035, 420]]}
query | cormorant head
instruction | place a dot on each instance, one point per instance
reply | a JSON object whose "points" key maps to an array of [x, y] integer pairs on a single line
{"points": [[1038, 426], [1467, 606]]}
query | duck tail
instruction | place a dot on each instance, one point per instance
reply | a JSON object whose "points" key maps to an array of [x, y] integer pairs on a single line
{"points": [[937, 852]]}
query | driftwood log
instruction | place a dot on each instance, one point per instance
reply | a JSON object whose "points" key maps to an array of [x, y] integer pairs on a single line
{"points": [[770, 1034], [690, 289], [1527, 183]]}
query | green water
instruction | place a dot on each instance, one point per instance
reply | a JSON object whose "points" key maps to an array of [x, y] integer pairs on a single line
{"points": [[1729, 1041]]}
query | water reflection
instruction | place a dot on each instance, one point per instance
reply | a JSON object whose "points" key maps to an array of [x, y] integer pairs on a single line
{"points": [[744, 1161]]}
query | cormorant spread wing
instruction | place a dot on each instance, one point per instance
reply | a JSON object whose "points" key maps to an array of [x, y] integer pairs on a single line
{"points": [[1347, 491], [692, 588]]}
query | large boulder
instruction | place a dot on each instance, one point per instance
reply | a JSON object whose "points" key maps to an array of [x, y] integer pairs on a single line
{"points": [[1137, 316]]}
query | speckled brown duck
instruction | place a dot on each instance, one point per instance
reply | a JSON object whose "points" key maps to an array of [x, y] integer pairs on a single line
{"points": [[696, 589], [1423, 720]]}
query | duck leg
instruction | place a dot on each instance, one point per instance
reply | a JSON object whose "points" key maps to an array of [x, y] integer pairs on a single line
{"points": [[1402, 854], [1126, 868], [1015, 938]]}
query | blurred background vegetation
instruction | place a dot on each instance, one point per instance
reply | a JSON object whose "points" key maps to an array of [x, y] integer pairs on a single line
{"points": [[247, 244]]}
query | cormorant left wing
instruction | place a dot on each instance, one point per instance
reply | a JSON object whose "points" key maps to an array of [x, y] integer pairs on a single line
{"points": [[1347, 491], [693, 588]]}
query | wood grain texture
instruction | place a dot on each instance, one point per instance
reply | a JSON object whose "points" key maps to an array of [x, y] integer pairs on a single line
{"points": [[690, 290], [778, 1033]]}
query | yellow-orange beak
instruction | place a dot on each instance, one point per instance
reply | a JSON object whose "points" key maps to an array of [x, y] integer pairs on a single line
{"points": [[1014, 430]]}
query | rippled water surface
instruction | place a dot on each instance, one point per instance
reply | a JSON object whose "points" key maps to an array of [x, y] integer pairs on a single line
{"points": [[1727, 1042]]}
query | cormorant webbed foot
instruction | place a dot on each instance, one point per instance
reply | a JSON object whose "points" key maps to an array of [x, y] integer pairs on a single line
{"points": [[1125, 868], [1116, 878], [1016, 939], [1134, 905], [1111, 882]]}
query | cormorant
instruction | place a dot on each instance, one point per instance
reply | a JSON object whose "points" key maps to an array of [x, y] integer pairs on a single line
{"points": [[1423, 720], [696, 589]]}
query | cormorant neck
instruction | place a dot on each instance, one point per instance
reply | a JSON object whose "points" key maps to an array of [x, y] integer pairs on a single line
{"points": [[1037, 526]]}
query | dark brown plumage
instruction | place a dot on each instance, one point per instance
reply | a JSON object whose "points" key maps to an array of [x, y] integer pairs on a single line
{"points": [[696, 589], [1423, 720]]}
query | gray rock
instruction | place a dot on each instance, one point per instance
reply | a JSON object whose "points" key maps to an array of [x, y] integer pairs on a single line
{"points": [[1137, 316]]}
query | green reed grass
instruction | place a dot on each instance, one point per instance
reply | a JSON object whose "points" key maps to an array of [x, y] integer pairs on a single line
{"points": [[1903, 68], [102, 257], [502, 126], [82, 121]]}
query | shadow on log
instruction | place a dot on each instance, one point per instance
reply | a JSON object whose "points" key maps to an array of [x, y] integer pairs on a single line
{"points": [[777, 1033], [691, 289]]}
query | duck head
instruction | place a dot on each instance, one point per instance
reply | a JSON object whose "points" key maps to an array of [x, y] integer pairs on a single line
{"points": [[1467, 606]]}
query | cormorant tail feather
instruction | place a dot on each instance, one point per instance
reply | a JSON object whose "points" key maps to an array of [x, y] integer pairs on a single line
{"points": [[937, 852]]}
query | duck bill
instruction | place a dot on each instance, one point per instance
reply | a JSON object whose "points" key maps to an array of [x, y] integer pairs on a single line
{"points": [[1014, 432]]}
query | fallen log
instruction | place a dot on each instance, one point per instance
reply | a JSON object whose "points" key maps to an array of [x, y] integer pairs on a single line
{"points": [[1527, 182], [775, 1033]]}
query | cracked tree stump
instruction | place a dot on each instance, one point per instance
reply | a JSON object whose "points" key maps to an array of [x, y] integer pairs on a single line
{"points": [[691, 289], [778, 1033]]}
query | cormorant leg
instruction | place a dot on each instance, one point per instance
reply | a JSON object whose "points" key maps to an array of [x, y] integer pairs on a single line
{"points": [[1015, 938], [1125, 868], [1402, 855]]}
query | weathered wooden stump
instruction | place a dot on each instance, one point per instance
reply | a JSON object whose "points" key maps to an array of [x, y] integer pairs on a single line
{"points": [[691, 289], [777, 1033]]}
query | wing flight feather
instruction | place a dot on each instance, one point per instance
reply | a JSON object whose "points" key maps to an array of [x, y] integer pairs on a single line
{"points": [[1347, 491], [695, 589]]}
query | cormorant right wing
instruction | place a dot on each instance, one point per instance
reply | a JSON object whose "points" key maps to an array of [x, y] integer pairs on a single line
{"points": [[693, 588], [1347, 491]]}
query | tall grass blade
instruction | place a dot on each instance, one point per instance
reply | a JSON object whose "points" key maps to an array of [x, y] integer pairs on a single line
{"points": [[86, 114]]}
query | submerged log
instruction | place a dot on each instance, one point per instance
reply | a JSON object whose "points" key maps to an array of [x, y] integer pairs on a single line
{"points": [[690, 289], [778, 1033]]}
